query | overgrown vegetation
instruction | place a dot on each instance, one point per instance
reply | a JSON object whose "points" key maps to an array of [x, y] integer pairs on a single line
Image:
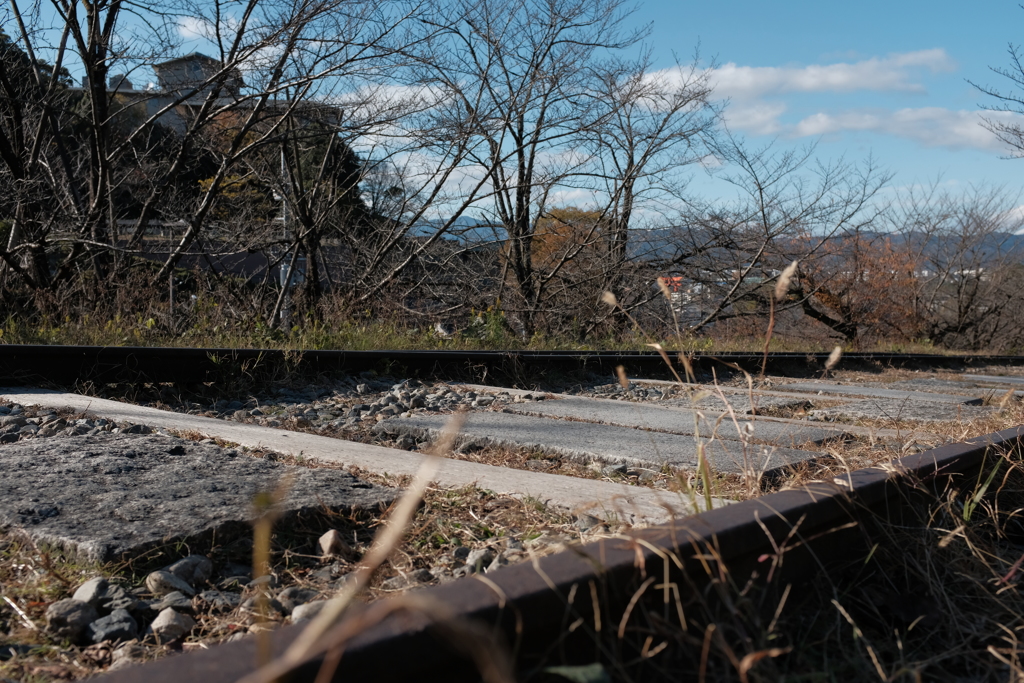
{"points": [[935, 597], [405, 164]]}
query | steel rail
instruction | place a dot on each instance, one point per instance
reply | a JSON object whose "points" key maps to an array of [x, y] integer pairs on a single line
{"points": [[28, 364], [531, 604]]}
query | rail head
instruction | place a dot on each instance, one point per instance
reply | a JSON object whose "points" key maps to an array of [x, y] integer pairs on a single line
{"points": [[32, 364]]}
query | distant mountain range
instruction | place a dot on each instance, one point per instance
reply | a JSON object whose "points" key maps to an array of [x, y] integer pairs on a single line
{"points": [[664, 244]]}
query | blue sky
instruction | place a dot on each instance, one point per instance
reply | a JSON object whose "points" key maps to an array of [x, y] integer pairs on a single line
{"points": [[868, 78], [887, 79]]}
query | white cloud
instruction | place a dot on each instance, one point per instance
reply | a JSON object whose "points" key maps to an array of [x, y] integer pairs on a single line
{"points": [[200, 28], [892, 73], [1014, 219], [758, 100], [195, 28], [930, 126], [756, 118]]}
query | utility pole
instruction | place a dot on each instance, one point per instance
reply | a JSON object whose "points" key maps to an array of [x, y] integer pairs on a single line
{"points": [[286, 270], [170, 302]]}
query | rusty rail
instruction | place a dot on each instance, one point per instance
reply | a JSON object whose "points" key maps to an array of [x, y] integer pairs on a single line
{"points": [[531, 606], [32, 364]]}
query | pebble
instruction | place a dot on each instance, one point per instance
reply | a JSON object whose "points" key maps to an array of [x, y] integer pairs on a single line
{"points": [[162, 582], [294, 596], [116, 597], [612, 470], [325, 574], [268, 580], [91, 591], [176, 600], [118, 625], [479, 559], [192, 570], [414, 578], [332, 543], [307, 611], [127, 655], [250, 605], [217, 601], [499, 561], [170, 625], [69, 618], [587, 522], [136, 429]]}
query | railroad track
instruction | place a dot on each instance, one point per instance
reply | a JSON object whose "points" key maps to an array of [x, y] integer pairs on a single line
{"points": [[561, 608], [531, 605], [25, 364]]}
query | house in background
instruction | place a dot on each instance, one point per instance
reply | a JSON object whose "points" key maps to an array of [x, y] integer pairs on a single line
{"points": [[176, 78], [196, 70]]}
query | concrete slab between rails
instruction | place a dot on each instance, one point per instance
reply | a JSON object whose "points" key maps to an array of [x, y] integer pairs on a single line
{"points": [[590, 442], [932, 385], [895, 410], [946, 386], [677, 420], [106, 496], [699, 388], [733, 391], [607, 500], [831, 389], [872, 433], [996, 379], [738, 403]]}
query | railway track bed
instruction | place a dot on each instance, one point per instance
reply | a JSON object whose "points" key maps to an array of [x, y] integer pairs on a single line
{"points": [[615, 466]]}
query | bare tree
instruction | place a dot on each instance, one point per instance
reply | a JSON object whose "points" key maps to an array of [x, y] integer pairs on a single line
{"points": [[789, 208], [1008, 104], [967, 255], [127, 158], [522, 79], [650, 127]]}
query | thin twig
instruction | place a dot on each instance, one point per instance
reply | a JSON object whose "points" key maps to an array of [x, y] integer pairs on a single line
{"points": [[21, 613]]}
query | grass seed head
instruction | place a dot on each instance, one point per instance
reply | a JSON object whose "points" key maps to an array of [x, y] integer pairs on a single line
{"points": [[782, 285], [833, 358]]}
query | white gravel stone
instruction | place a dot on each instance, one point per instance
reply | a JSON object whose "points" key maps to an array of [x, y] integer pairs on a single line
{"points": [[332, 543], [170, 625], [92, 591], [162, 582], [307, 611]]}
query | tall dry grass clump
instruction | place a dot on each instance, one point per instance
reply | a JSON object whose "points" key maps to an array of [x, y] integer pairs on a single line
{"points": [[934, 596]]}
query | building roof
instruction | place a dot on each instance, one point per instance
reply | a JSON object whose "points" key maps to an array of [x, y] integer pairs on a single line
{"points": [[188, 58]]}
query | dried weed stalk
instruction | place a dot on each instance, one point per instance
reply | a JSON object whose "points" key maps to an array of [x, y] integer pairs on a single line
{"points": [[321, 636]]}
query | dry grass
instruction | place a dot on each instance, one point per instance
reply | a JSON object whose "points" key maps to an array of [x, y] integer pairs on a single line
{"points": [[935, 598]]}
